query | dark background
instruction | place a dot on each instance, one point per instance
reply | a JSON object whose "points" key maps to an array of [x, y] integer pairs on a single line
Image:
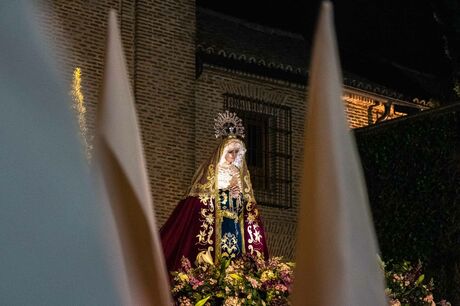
{"points": [[412, 170], [379, 40]]}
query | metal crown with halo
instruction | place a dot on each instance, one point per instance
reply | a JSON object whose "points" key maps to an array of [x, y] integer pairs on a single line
{"points": [[228, 124]]}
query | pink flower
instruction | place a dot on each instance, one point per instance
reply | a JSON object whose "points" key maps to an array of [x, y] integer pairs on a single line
{"points": [[286, 277], [281, 287], [185, 264], [184, 301], [429, 299], [254, 283], [195, 282], [395, 302]]}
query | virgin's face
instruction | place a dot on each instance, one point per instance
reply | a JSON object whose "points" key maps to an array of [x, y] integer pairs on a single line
{"points": [[231, 154]]}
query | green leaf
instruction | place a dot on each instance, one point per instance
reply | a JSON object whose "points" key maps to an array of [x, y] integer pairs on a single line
{"points": [[220, 294], [203, 301], [420, 279]]}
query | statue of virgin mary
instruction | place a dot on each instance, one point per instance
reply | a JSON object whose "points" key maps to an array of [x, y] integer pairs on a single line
{"points": [[218, 216]]}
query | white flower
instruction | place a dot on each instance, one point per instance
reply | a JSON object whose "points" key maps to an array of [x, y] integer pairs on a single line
{"points": [[205, 257]]}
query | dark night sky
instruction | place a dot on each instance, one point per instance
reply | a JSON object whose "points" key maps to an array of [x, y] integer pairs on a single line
{"points": [[371, 33]]}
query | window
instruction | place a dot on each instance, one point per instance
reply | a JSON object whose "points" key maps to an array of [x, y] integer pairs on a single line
{"points": [[268, 140]]}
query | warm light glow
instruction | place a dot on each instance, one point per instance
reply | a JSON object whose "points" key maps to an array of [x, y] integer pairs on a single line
{"points": [[358, 99], [80, 109]]}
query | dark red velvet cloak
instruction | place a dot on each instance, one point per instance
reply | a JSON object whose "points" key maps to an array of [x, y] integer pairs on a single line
{"points": [[179, 233]]}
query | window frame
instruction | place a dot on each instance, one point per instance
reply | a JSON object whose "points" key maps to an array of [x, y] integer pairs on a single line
{"points": [[274, 187]]}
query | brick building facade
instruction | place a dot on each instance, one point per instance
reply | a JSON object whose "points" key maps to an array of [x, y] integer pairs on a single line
{"points": [[182, 62]]}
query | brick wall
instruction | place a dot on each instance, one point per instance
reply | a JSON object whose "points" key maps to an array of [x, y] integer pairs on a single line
{"points": [[78, 30], [159, 44], [165, 85], [363, 110]]}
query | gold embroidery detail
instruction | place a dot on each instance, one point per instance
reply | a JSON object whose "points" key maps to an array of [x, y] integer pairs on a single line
{"points": [[206, 191], [207, 212], [207, 220], [252, 251], [229, 214], [248, 190], [251, 238], [229, 245], [218, 225], [251, 218], [257, 235]]}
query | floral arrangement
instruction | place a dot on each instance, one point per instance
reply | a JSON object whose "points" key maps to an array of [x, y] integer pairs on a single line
{"points": [[243, 281], [406, 285], [254, 281]]}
